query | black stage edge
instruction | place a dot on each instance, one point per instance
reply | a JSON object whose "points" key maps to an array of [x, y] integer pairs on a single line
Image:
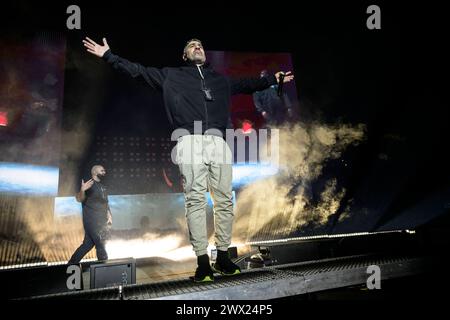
{"points": [[344, 259]]}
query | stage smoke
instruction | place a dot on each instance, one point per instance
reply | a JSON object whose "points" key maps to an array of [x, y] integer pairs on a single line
{"points": [[279, 206]]}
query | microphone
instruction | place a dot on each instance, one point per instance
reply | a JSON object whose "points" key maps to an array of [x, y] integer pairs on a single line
{"points": [[280, 84]]}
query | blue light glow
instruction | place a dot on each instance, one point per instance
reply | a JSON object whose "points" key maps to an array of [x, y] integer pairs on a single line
{"points": [[19, 178], [247, 173]]}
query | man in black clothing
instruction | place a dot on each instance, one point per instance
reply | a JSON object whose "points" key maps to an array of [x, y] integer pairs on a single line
{"points": [[96, 215], [196, 93], [272, 107]]}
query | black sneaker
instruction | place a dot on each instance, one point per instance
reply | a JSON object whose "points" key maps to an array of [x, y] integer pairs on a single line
{"points": [[204, 272], [203, 275], [224, 265]]}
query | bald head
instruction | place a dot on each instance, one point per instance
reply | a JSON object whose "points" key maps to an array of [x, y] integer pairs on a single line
{"points": [[98, 171]]}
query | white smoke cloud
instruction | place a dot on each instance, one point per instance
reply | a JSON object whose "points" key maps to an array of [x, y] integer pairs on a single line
{"points": [[279, 205]]}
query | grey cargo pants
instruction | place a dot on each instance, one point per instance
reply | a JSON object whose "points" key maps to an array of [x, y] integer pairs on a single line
{"points": [[205, 163]]}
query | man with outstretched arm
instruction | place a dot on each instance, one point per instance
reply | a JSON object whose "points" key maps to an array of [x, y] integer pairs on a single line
{"points": [[193, 94]]}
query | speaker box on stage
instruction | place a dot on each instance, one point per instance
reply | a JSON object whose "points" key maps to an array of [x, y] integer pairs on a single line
{"points": [[113, 273]]}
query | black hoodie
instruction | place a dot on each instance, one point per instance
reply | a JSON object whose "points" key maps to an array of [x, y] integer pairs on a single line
{"points": [[183, 94]]}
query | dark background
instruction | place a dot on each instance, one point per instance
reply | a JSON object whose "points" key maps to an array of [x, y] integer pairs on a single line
{"points": [[393, 80]]}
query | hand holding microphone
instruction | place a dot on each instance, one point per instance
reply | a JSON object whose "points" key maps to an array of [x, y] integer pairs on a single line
{"points": [[283, 77]]}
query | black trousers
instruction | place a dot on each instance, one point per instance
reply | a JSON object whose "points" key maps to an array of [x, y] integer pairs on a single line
{"points": [[92, 237]]}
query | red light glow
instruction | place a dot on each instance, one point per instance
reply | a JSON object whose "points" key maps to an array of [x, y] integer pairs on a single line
{"points": [[3, 119], [247, 127]]}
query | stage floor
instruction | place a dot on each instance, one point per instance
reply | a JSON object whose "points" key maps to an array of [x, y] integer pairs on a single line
{"points": [[268, 282]]}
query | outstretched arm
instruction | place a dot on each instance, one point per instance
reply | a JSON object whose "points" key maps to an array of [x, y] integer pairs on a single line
{"points": [[250, 85], [152, 76]]}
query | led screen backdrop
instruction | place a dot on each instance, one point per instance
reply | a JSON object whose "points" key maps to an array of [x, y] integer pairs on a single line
{"points": [[31, 98], [121, 124]]}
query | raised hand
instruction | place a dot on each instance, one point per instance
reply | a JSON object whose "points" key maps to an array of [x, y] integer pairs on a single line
{"points": [[109, 222], [95, 48], [86, 185], [288, 76]]}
